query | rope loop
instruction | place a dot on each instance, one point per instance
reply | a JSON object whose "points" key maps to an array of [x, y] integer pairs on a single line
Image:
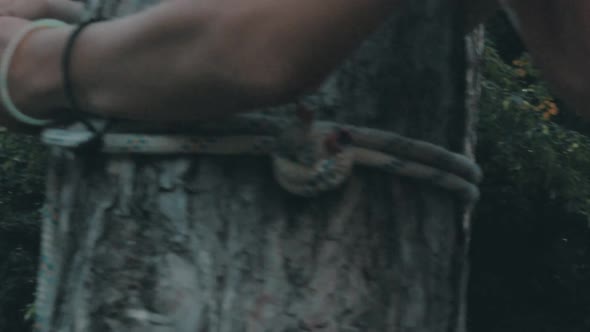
{"points": [[309, 157]]}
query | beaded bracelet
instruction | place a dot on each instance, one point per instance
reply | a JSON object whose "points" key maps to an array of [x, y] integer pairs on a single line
{"points": [[5, 99]]}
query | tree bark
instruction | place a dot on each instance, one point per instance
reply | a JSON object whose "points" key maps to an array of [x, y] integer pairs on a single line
{"points": [[196, 243]]}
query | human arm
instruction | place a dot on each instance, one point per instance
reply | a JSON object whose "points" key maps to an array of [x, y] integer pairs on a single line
{"points": [[557, 33], [185, 60], [64, 10]]}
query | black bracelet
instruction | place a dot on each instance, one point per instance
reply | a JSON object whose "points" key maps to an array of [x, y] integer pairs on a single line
{"points": [[68, 85]]}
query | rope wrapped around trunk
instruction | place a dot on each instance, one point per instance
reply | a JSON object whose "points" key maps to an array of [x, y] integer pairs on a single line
{"points": [[308, 157]]}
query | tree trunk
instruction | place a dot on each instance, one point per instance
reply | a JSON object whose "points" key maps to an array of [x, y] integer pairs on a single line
{"points": [[200, 243]]}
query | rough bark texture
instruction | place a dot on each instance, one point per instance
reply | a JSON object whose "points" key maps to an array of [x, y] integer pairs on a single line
{"points": [[475, 48], [196, 244]]}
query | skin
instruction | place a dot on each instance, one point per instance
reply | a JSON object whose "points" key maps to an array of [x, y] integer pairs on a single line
{"points": [[557, 32], [64, 10], [203, 75], [226, 56]]}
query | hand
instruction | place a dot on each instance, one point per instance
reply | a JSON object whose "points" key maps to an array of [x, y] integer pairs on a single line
{"points": [[27, 9], [9, 27]]}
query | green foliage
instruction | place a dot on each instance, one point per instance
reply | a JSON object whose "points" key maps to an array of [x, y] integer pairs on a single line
{"points": [[22, 166], [22, 162], [519, 140], [531, 242]]}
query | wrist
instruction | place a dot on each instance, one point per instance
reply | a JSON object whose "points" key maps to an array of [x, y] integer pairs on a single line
{"points": [[35, 77]]}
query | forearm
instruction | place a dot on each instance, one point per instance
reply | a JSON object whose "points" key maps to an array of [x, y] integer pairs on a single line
{"points": [[557, 32], [208, 58], [65, 10]]}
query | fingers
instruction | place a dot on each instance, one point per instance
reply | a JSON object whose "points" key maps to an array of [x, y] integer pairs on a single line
{"points": [[10, 7], [28, 9], [9, 25]]}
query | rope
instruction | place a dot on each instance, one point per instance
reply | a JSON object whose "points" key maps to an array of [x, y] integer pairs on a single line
{"points": [[308, 158]]}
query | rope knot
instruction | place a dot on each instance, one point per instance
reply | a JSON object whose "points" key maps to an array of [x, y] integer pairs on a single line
{"points": [[309, 157], [309, 161]]}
